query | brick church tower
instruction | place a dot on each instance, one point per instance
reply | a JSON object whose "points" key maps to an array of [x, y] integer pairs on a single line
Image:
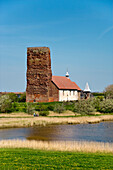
{"points": [[39, 75]]}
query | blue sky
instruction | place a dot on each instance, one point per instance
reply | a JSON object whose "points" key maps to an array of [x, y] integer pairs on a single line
{"points": [[79, 34]]}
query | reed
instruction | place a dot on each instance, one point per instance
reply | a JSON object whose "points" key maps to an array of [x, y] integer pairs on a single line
{"points": [[74, 146], [43, 121]]}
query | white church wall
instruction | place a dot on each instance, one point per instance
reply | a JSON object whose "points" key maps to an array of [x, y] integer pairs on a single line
{"points": [[68, 95]]}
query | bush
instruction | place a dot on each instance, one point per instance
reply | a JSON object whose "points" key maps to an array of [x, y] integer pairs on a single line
{"points": [[101, 98], [43, 113], [41, 107], [19, 107], [22, 97], [106, 106], [95, 102], [69, 105], [59, 108], [50, 107], [24, 108], [5, 104], [96, 94], [84, 107], [13, 97], [30, 109], [15, 107]]}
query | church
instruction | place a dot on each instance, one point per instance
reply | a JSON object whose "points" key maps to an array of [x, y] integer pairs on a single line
{"points": [[67, 90], [42, 86]]}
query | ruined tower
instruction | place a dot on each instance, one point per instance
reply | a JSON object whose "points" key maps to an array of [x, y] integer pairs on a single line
{"points": [[39, 75]]}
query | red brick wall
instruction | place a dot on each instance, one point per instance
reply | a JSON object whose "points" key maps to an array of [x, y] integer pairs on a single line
{"points": [[54, 96], [39, 74]]}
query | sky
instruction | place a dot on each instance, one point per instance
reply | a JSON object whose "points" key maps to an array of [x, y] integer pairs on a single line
{"points": [[79, 34]]}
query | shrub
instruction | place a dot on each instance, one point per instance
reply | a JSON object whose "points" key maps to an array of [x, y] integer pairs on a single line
{"points": [[19, 107], [95, 102], [24, 108], [15, 107], [5, 104], [43, 113], [50, 107], [69, 105], [101, 98], [22, 97], [30, 109], [41, 107], [13, 97], [106, 106], [96, 94], [59, 108], [84, 107]]}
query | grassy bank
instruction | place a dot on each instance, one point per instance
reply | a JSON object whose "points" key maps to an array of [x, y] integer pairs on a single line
{"points": [[35, 159], [24, 120], [79, 146]]}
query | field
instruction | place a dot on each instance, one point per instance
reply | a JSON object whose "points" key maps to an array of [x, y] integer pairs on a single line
{"points": [[36, 159]]}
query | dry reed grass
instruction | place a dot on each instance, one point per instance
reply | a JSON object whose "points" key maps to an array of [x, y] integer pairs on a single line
{"points": [[74, 146], [66, 113], [10, 115], [43, 121]]}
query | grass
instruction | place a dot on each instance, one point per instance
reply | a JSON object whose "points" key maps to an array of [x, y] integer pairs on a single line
{"points": [[37, 159], [78, 115], [79, 146], [24, 121]]}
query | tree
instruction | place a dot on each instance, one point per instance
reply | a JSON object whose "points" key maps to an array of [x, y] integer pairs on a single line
{"points": [[109, 92], [5, 104]]}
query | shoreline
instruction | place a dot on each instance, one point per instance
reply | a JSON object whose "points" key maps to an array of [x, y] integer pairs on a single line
{"points": [[16, 122]]}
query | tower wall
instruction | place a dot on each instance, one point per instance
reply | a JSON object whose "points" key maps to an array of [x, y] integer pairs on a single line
{"points": [[39, 75]]}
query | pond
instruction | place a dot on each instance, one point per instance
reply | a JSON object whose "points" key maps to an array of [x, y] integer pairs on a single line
{"points": [[100, 132]]}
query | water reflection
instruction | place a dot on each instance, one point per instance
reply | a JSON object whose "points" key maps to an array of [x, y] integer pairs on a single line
{"points": [[101, 132]]}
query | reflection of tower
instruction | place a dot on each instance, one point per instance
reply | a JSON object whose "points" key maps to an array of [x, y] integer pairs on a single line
{"points": [[87, 91]]}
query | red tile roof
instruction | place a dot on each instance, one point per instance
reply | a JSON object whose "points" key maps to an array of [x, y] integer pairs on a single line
{"points": [[64, 83], [78, 88]]}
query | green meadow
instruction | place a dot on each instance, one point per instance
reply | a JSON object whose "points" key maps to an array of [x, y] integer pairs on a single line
{"points": [[37, 159]]}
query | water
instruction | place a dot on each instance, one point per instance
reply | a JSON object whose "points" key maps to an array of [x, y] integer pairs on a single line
{"points": [[100, 132]]}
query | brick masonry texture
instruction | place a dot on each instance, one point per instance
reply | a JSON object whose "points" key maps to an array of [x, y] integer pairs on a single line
{"points": [[55, 92], [39, 75]]}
